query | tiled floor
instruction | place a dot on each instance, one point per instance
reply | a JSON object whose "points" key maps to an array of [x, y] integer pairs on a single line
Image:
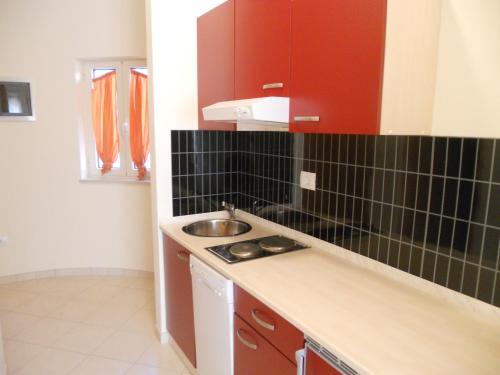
{"points": [[83, 325]]}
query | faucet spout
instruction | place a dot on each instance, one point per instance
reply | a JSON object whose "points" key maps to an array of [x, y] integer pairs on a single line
{"points": [[229, 207]]}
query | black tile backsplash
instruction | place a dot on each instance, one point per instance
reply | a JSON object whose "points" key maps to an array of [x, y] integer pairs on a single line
{"points": [[429, 206]]}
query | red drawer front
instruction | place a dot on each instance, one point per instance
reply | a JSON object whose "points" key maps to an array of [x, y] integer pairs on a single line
{"points": [[179, 297], [253, 355], [315, 365], [279, 332]]}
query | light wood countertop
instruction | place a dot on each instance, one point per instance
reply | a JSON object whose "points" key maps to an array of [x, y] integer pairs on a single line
{"points": [[376, 324]]}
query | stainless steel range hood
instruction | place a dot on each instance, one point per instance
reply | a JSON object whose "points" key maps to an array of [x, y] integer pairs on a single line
{"points": [[270, 110]]}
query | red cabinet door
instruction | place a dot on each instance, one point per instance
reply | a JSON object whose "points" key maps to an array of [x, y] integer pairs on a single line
{"points": [[315, 365], [179, 297], [253, 355], [337, 65], [262, 48], [215, 61]]}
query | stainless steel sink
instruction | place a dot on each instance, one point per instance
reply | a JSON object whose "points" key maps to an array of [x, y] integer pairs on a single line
{"points": [[217, 228]]}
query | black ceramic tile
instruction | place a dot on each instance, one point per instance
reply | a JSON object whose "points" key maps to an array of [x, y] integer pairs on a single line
{"points": [[425, 155], [470, 280], [429, 264], [485, 286], [437, 190], [423, 192], [380, 143], [450, 197], [468, 165], [415, 203], [490, 248], [413, 154], [484, 159], [454, 157], [433, 227], [404, 257], [440, 152], [464, 200], [416, 261], [479, 202], [496, 164], [494, 206], [402, 150], [441, 273], [455, 275]]}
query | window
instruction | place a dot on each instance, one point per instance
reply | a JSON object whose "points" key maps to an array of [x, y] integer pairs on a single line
{"points": [[115, 147], [16, 101]]}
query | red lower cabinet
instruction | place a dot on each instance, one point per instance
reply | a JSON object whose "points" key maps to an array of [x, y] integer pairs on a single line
{"points": [[253, 355], [179, 296], [315, 365]]}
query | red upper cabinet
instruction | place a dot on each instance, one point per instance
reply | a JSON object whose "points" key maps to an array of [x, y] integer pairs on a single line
{"points": [[315, 365], [179, 297], [262, 48], [215, 61], [337, 65]]}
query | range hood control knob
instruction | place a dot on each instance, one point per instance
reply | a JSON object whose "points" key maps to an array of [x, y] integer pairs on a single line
{"points": [[242, 112]]}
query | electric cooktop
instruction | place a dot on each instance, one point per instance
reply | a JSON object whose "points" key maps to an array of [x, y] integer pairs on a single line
{"points": [[257, 248]]}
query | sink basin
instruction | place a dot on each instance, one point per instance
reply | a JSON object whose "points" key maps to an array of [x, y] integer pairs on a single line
{"points": [[217, 228]]}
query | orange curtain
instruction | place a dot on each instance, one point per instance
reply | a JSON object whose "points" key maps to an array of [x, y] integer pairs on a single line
{"points": [[104, 119], [139, 124]]}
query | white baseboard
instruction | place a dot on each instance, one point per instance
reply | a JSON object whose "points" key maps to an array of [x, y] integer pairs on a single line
{"points": [[89, 271]]}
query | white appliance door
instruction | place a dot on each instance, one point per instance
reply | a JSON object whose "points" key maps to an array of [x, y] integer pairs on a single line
{"points": [[213, 316]]}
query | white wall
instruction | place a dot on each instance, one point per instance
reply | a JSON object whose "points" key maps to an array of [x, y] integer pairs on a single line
{"points": [[172, 57], [51, 218], [468, 76]]}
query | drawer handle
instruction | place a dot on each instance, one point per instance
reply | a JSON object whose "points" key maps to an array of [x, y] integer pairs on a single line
{"points": [[306, 118], [263, 323], [182, 255], [277, 85], [244, 341]]}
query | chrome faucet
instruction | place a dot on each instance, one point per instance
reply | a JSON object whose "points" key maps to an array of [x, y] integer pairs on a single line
{"points": [[229, 207]]}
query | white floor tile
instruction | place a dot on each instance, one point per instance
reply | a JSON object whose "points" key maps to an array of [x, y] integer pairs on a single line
{"points": [[14, 323], [141, 322], [149, 370], [45, 332], [85, 325], [131, 298], [124, 346], [101, 366], [83, 338], [41, 306], [110, 316], [163, 356], [19, 354], [74, 311], [12, 298], [99, 293], [53, 362]]}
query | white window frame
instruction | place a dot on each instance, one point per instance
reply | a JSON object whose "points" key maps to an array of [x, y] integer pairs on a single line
{"points": [[90, 170]]}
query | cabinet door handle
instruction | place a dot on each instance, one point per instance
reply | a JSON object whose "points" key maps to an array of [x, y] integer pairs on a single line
{"points": [[183, 255], [306, 118], [244, 341], [260, 321], [277, 85]]}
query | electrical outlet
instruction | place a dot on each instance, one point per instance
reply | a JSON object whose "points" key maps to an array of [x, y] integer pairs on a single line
{"points": [[308, 180], [4, 240]]}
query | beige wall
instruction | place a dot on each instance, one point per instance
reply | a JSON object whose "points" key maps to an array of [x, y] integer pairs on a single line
{"points": [[467, 101], [51, 218], [171, 29]]}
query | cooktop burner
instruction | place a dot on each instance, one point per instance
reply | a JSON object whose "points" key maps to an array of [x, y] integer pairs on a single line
{"points": [[256, 248]]}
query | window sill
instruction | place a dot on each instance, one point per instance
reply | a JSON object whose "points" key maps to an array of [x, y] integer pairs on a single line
{"points": [[114, 179]]}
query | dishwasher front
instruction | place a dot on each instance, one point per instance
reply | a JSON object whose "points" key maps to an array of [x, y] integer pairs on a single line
{"points": [[213, 301]]}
